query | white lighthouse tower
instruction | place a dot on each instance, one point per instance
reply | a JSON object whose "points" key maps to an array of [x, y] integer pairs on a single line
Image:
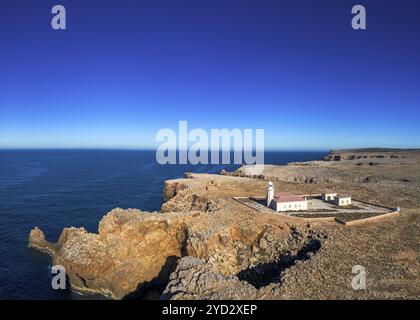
{"points": [[270, 193]]}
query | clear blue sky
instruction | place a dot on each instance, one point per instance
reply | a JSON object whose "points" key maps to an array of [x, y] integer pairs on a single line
{"points": [[125, 69]]}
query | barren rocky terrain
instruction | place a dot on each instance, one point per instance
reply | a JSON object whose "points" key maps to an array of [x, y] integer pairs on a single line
{"points": [[206, 245]]}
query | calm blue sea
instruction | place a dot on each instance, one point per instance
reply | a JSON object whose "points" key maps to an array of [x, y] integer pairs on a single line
{"points": [[54, 189]]}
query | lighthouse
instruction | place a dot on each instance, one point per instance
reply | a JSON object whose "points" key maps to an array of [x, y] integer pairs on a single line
{"points": [[285, 201], [270, 193]]}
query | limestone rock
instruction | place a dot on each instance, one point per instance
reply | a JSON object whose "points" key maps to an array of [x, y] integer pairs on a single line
{"points": [[195, 279], [37, 241], [132, 249]]}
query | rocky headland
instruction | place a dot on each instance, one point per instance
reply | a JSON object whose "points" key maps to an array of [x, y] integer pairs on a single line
{"points": [[203, 244]]}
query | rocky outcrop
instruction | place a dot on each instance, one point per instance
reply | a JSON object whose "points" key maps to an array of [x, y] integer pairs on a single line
{"points": [[238, 248], [260, 273], [195, 279], [37, 241], [172, 189], [178, 197], [132, 252]]}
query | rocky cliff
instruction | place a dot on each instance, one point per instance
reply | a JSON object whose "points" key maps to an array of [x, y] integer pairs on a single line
{"points": [[131, 250], [134, 253], [205, 245]]}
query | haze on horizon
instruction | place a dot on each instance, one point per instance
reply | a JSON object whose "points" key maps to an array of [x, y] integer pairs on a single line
{"points": [[125, 69]]}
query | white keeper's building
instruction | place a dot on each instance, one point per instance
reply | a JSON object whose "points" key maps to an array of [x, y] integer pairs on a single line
{"points": [[285, 201], [328, 195], [342, 200]]}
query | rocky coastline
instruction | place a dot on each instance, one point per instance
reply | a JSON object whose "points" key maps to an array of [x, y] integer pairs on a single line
{"points": [[204, 245]]}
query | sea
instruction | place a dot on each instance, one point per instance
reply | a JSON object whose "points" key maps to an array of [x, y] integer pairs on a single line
{"points": [[54, 189]]}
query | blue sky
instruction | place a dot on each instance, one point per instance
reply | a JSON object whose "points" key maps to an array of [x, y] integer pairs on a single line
{"points": [[125, 69]]}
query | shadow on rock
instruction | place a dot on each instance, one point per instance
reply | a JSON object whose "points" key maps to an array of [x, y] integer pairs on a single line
{"points": [[153, 289], [267, 273]]}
